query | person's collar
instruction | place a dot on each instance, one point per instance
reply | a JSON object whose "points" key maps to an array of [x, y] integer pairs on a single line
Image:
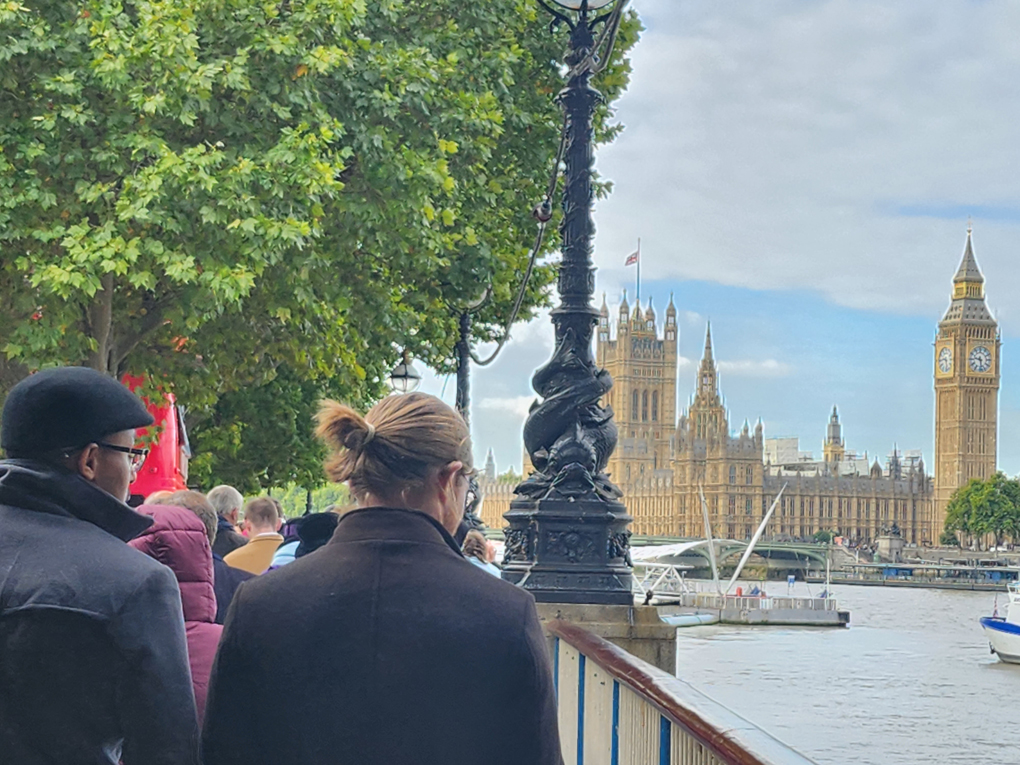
{"points": [[37, 486], [268, 534], [388, 523]]}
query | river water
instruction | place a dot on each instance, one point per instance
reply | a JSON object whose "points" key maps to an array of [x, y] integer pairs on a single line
{"points": [[910, 681]]}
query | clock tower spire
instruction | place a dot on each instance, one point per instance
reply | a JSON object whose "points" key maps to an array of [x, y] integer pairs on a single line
{"points": [[966, 388]]}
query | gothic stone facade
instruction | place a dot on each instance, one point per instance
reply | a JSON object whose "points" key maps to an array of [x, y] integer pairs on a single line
{"points": [[664, 464]]}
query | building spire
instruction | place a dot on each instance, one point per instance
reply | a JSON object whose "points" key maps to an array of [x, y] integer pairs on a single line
{"points": [[969, 271], [708, 343]]}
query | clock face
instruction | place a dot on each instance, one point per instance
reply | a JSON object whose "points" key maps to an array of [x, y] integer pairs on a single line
{"points": [[980, 359], [945, 360]]}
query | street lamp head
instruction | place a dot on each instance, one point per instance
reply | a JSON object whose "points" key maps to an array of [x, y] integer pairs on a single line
{"points": [[405, 378], [577, 5]]}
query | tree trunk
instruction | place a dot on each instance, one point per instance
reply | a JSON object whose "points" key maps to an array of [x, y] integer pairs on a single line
{"points": [[99, 320]]}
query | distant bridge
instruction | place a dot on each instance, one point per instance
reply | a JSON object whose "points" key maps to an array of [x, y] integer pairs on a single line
{"points": [[776, 555]]}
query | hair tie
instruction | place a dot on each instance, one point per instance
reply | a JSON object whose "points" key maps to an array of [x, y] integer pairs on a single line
{"points": [[370, 435]]}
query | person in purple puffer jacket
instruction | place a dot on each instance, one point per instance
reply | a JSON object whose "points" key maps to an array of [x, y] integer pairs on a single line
{"points": [[178, 540]]}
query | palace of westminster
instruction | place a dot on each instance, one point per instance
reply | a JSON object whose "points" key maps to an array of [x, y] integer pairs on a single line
{"points": [[664, 463]]}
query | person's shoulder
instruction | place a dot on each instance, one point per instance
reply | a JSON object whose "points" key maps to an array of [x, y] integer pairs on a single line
{"points": [[484, 584]]}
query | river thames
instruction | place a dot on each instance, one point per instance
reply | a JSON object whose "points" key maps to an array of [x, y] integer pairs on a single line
{"points": [[910, 681]]}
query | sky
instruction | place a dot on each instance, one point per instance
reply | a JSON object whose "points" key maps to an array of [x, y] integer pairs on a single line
{"points": [[801, 173]]}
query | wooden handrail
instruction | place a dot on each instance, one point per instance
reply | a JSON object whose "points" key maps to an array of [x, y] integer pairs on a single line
{"points": [[727, 735]]}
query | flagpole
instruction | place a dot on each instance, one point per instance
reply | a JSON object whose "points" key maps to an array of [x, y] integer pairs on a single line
{"points": [[639, 271]]}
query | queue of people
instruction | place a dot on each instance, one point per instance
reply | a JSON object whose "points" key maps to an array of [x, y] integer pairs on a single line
{"points": [[218, 634]]}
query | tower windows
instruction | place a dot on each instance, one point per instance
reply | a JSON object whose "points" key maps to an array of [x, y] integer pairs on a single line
{"points": [[747, 505], [655, 406], [644, 406], [748, 475], [733, 474], [634, 406]]}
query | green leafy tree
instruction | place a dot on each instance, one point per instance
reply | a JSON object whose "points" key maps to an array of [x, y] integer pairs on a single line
{"points": [[509, 476], [241, 201], [824, 536], [949, 539], [294, 499], [986, 508]]}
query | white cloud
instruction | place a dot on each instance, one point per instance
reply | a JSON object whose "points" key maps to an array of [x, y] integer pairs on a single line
{"points": [[518, 406], [832, 146], [536, 334], [753, 368]]}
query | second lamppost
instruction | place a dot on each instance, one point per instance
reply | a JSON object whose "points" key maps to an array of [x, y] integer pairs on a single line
{"points": [[568, 537]]}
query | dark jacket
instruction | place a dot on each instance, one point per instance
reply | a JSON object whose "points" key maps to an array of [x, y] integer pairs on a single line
{"points": [[384, 646], [228, 538], [226, 580], [179, 541], [93, 660]]}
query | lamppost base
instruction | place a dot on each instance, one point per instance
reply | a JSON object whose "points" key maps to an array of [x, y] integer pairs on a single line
{"points": [[564, 551]]}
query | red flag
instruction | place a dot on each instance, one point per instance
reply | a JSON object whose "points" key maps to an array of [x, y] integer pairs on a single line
{"points": [[632, 258]]}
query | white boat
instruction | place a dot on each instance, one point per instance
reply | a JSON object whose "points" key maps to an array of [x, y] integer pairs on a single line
{"points": [[1004, 633]]}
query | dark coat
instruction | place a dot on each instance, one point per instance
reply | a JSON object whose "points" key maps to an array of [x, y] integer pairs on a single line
{"points": [[93, 659], [179, 541], [226, 580], [385, 646], [228, 538]]}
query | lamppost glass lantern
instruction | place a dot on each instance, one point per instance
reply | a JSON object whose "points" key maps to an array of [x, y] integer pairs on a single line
{"points": [[405, 378], [575, 5]]}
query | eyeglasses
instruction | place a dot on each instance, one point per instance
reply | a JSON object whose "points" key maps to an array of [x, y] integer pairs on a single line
{"points": [[137, 455]]}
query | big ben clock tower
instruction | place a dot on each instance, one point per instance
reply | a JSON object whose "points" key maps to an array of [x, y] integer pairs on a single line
{"points": [[966, 388]]}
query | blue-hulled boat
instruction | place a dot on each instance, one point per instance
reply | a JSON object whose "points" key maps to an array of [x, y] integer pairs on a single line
{"points": [[1004, 633]]}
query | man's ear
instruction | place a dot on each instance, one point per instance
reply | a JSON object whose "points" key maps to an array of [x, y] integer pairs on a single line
{"points": [[446, 478], [87, 461]]}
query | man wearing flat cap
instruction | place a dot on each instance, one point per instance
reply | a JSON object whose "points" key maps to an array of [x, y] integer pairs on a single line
{"points": [[93, 658]]}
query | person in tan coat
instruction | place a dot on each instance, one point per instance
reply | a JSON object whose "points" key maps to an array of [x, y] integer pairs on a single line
{"points": [[262, 522]]}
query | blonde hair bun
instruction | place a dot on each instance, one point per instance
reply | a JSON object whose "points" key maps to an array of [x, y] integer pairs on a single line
{"points": [[409, 434]]}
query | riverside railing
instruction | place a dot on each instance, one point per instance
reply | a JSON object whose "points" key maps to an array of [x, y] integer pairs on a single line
{"points": [[615, 709]]}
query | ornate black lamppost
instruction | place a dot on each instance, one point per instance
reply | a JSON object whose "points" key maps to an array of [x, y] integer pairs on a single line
{"points": [[567, 540]]}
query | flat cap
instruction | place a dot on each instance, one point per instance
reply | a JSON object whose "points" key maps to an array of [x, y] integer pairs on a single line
{"points": [[67, 407]]}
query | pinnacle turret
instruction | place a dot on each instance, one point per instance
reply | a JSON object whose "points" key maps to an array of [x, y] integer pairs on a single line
{"points": [[968, 304], [968, 270], [708, 344]]}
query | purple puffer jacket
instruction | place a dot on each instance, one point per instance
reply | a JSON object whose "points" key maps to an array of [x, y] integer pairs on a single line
{"points": [[178, 540]]}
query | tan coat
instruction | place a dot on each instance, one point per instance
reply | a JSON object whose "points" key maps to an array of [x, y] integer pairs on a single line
{"points": [[255, 556]]}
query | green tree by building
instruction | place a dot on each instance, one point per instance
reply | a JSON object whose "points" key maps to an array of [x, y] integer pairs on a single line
{"points": [[985, 509]]}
